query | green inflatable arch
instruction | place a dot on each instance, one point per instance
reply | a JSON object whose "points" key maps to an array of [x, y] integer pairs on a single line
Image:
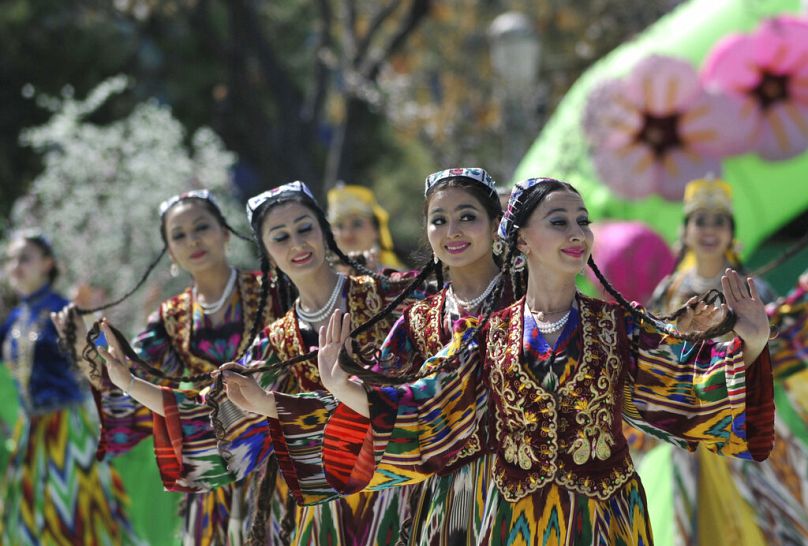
{"points": [[767, 195]]}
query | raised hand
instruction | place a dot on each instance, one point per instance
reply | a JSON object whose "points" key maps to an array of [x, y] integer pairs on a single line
{"points": [[700, 316], [752, 324], [115, 360], [245, 392], [333, 338]]}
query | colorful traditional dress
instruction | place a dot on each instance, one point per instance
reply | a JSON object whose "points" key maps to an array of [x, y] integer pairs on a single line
{"points": [[181, 340], [54, 491], [449, 506], [719, 501], [550, 418], [363, 519]]}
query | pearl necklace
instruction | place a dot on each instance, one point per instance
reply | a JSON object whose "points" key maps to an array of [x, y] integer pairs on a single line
{"points": [[473, 303], [215, 307], [323, 312], [551, 327]]}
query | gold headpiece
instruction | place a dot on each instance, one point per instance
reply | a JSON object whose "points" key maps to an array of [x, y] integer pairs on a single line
{"points": [[708, 193], [347, 199]]}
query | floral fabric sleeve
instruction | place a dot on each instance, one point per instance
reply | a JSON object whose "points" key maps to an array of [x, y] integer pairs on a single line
{"points": [[690, 394]]}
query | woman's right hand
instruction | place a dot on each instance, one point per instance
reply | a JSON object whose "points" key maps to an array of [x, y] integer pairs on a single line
{"points": [[333, 338]]}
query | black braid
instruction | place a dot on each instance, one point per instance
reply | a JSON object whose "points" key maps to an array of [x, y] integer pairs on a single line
{"points": [[664, 323], [91, 355], [258, 529]]}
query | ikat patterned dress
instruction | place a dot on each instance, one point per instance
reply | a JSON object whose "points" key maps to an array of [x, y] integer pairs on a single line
{"points": [[550, 419], [180, 340], [735, 502], [362, 519], [54, 492]]}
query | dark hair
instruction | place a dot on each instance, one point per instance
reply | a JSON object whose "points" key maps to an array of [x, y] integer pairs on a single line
{"points": [[530, 199], [362, 367], [68, 344], [45, 247]]}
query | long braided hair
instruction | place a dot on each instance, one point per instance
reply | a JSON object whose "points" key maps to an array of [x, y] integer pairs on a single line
{"points": [[363, 367], [524, 202], [90, 353], [259, 208]]}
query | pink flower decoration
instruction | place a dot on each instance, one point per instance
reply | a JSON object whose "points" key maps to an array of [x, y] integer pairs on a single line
{"points": [[768, 71], [656, 129]]}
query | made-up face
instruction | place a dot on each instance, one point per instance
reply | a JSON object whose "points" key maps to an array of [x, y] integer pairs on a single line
{"points": [[556, 238], [355, 233], [459, 229], [196, 239], [708, 233], [27, 267], [294, 240]]}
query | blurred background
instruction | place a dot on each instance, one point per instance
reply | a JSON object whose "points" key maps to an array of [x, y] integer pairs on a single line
{"points": [[108, 107]]}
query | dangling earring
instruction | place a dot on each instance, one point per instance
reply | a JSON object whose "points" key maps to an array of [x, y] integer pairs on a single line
{"points": [[498, 247], [519, 262], [273, 278], [435, 259], [331, 258], [174, 270]]}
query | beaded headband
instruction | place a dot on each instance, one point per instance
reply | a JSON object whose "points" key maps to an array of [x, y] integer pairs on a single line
{"points": [[506, 225], [708, 193], [476, 174], [292, 187], [193, 194]]}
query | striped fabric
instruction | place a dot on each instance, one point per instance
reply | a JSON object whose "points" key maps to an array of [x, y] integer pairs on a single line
{"points": [[687, 396]]}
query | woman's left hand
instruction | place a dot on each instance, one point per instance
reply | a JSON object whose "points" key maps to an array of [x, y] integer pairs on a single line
{"points": [[700, 316], [752, 324], [115, 360], [245, 392]]}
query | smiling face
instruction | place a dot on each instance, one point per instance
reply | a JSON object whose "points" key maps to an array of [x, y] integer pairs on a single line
{"points": [[27, 266], [355, 233], [196, 240], [294, 240], [459, 229], [557, 238], [708, 233]]}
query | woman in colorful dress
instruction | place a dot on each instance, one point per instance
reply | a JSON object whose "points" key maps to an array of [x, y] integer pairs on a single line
{"points": [[191, 335], [54, 490], [716, 500], [361, 226], [295, 239], [543, 386], [462, 213]]}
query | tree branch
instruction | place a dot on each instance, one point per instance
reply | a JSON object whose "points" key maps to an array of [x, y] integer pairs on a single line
{"points": [[375, 24], [373, 64]]}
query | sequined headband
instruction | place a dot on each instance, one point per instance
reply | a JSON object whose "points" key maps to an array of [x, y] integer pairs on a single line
{"points": [[476, 174], [506, 225], [193, 194], [292, 187]]}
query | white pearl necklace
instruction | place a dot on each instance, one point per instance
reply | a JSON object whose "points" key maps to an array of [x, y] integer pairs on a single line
{"points": [[551, 327], [323, 312], [215, 307], [473, 303]]}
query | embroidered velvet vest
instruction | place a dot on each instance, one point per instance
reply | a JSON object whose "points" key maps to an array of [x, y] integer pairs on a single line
{"points": [[177, 316], [573, 436], [364, 300]]}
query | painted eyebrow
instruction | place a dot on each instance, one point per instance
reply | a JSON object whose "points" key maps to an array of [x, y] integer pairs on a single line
{"points": [[457, 208], [296, 220], [194, 221], [565, 210]]}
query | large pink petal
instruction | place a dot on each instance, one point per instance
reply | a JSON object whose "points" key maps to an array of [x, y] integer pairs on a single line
{"points": [[680, 167], [785, 131], [609, 120], [798, 86], [662, 85], [720, 125], [629, 172], [732, 66], [781, 45]]}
